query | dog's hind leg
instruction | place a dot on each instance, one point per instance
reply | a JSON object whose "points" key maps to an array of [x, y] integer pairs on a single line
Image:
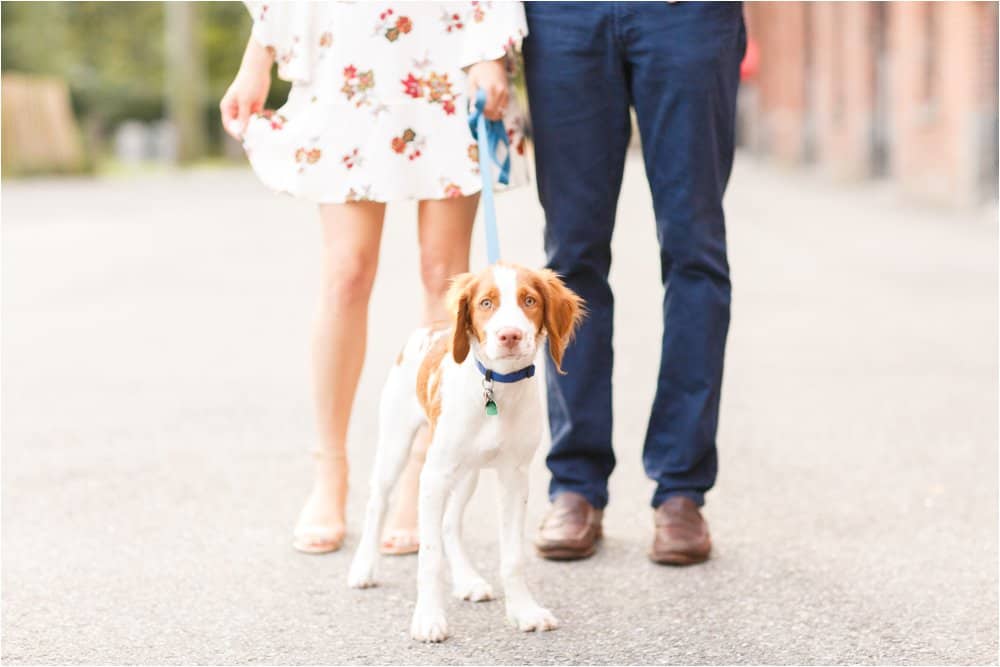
{"points": [[399, 418], [467, 584]]}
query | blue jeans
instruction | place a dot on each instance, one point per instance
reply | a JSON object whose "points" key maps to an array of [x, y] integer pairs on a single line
{"points": [[678, 66]]}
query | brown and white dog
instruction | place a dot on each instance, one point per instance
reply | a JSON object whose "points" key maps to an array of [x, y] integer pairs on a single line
{"points": [[473, 384]]}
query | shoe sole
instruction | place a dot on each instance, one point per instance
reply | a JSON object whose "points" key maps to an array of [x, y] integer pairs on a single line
{"points": [[676, 558], [568, 553]]}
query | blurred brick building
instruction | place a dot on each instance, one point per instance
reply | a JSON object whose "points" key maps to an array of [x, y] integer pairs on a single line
{"points": [[902, 90]]}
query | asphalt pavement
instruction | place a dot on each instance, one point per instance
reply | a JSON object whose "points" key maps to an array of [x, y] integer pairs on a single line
{"points": [[157, 419]]}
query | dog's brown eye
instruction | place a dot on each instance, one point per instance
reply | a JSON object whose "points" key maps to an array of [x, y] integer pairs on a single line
{"points": [[486, 304], [529, 301]]}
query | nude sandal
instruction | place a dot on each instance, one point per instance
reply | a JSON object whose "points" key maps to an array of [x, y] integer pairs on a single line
{"points": [[400, 543], [315, 538]]}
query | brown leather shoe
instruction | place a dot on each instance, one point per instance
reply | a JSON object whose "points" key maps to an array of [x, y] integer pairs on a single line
{"points": [[681, 536], [570, 530]]}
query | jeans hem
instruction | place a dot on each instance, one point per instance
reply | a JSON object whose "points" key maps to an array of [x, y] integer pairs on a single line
{"points": [[661, 497], [597, 498]]}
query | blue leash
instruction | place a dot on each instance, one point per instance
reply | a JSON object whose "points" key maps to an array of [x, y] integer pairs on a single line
{"points": [[489, 134]]}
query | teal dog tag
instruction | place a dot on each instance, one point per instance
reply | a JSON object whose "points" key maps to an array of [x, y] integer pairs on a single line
{"points": [[491, 407]]}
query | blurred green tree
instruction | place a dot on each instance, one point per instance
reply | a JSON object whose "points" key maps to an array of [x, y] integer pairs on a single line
{"points": [[114, 57]]}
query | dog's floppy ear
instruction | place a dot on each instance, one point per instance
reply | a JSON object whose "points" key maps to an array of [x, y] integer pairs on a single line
{"points": [[564, 310], [459, 295]]}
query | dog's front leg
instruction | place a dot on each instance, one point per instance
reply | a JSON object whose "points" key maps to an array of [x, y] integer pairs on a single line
{"points": [[429, 624], [467, 584], [522, 610]]}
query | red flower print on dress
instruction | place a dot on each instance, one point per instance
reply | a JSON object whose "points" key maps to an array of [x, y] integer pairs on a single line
{"points": [[413, 86], [473, 152], [452, 22], [326, 39], [439, 92], [452, 191], [516, 140], [517, 133], [435, 87], [364, 195], [478, 12], [409, 144], [392, 26], [352, 159], [276, 120], [306, 156], [358, 86]]}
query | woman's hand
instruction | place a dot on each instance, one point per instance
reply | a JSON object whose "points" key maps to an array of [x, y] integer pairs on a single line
{"points": [[491, 76], [248, 91]]}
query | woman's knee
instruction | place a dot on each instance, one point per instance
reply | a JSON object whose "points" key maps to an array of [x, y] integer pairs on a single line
{"points": [[348, 280], [436, 273]]}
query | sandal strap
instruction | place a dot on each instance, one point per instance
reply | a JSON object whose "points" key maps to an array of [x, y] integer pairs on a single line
{"points": [[402, 536], [326, 455]]}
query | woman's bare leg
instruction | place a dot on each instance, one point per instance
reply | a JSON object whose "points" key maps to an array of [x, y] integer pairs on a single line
{"points": [[445, 230], [351, 235]]}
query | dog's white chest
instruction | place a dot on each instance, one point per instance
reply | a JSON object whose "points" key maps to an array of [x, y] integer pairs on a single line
{"points": [[515, 431], [483, 439]]}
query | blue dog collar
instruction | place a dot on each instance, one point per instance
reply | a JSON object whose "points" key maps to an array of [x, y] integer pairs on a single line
{"points": [[516, 376]]}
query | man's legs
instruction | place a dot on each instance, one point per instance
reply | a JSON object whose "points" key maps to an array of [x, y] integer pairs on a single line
{"points": [[684, 61], [579, 112]]}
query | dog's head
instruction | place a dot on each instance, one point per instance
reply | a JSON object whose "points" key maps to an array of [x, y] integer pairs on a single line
{"points": [[504, 313]]}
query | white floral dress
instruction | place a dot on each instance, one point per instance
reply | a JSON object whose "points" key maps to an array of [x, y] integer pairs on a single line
{"points": [[378, 109]]}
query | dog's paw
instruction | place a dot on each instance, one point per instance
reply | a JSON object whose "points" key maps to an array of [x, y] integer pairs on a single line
{"points": [[474, 590], [361, 575], [429, 626], [532, 618]]}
